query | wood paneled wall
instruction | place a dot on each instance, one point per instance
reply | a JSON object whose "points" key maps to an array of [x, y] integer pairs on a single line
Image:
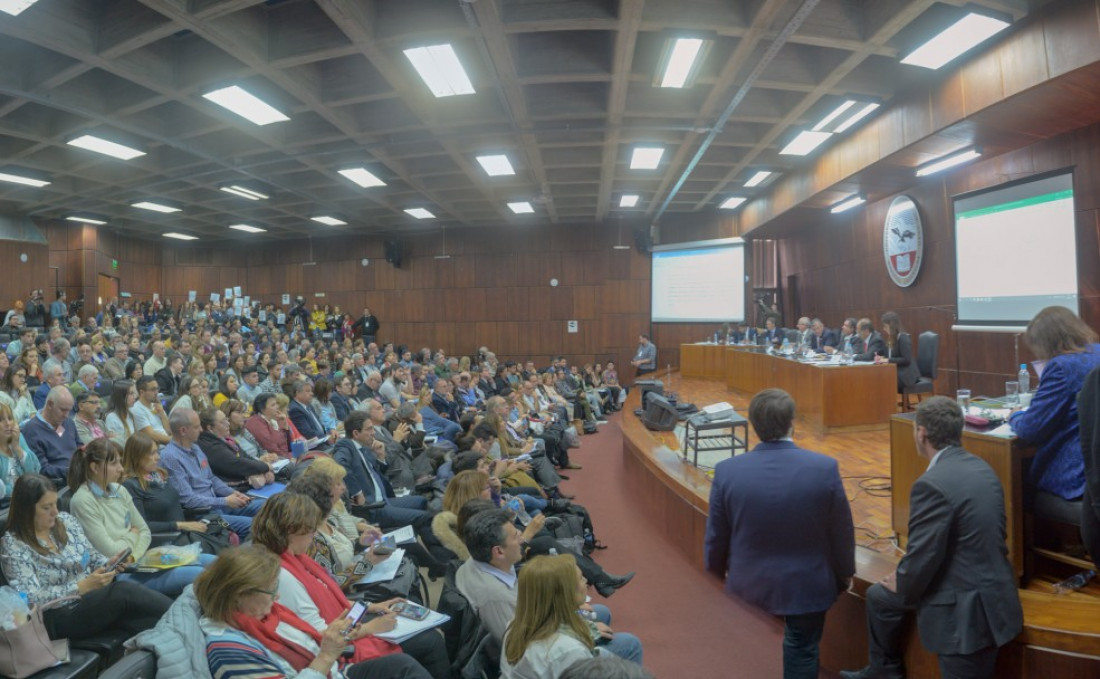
{"points": [[838, 259], [18, 278]]}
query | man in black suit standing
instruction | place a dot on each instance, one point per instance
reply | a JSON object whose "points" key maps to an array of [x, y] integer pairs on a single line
{"points": [[868, 342], [956, 574]]}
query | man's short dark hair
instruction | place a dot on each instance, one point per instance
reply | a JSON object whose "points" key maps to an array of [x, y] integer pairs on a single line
{"points": [[772, 414], [250, 370], [355, 421], [942, 420], [465, 461], [316, 487], [483, 431], [84, 396], [144, 381], [865, 324], [483, 532]]}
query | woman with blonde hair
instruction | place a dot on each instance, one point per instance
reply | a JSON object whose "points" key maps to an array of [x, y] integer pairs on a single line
{"points": [[341, 519], [465, 486], [16, 458], [547, 635]]}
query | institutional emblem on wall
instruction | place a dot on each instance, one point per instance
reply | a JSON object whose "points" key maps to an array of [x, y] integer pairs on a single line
{"points": [[903, 241]]}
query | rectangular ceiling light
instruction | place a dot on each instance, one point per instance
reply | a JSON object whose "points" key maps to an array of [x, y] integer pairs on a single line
{"points": [[758, 178], [20, 179], [836, 113], [965, 34], [496, 166], [180, 236], [521, 208], [805, 143], [440, 70], [247, 228], [15, 7], [950, 160], [856, 117], [628, 200], [155, 207], [419, 213], [246, 105], [362, 177], [244, 192], [86, 220], [848, 204], [329, 221], [680, 61], [107, 148], [731, 203], [646, 157]]}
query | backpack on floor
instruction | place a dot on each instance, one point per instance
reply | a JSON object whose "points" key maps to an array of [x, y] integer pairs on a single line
{"points": [[576, 523]]}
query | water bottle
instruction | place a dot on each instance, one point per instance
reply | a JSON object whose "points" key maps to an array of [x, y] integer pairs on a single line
{"points": [[786, 348], [1024, 378], [515, 505], [716, 338], [1074, 583]]}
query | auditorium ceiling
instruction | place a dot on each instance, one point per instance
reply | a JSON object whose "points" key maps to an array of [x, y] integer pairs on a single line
{"points": [[566, 90]]}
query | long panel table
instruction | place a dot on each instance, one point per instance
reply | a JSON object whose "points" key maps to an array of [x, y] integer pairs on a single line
{"points": [[830, 397], [703, 360]]}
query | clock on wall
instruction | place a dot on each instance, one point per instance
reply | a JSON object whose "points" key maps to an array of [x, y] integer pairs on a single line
{"points": [[902, 241]]}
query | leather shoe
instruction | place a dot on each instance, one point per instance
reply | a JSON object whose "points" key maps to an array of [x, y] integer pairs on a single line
{"points": [[870, 672], [613, 582], [563, 477], [572, 465]]}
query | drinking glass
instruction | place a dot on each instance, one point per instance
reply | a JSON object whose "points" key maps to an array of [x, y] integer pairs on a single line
{"points": [[1012, 393], [962, 397]]}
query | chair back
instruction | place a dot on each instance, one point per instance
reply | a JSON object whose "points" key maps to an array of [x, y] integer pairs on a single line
{"points": [[137, 665], [928, 354]]}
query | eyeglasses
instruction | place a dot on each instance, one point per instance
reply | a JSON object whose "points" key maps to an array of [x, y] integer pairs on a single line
{"points": [[270, 593]]}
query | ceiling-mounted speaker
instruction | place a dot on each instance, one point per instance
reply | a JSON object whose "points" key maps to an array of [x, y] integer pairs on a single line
{"points": [[642, 241], [393, 250]]}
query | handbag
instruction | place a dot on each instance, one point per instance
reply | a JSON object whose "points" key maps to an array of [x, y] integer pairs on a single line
{"points": [[28, 649], [217, 537]]}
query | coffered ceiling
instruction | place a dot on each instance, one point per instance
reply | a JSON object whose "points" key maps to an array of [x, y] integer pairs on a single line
{"points": [[566, 89]]}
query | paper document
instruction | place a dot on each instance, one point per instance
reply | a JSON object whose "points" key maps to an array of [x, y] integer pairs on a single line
{"points": [[267, 491], [1004, 430], [385, 571], [401, 536], [406, 628]]}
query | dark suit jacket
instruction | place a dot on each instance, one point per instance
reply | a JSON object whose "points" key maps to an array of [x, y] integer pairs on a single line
{"points": [[956, 571], [902, 356], [308, 424], [346, 452], [828, 338], [773, 336], [231, 466], [167, 383], [867, 350], [780, 529]]}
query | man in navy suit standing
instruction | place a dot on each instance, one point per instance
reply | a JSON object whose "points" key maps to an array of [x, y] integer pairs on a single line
{"points": [[780, 531]]}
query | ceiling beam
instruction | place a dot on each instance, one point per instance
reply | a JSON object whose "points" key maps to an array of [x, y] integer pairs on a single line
{"points": [[626, 40]]}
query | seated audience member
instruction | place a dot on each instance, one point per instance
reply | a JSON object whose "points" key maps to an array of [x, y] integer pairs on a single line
{"points": [[111, 521], [87, 380], [301, 411], [157, 360], [190, 474], [119, 420], [45, 555], [955, 573], [899, 351], [342, 397], [115, 366], [821, 338], [228, 389], [227, 460], [51, 377], [322, 405], [59, 357], [51, 434], [148, 413], [249, 388], [86, 419], [547, 634], [268, 427], [287, 526], [25, 339], [868, 343], [188, 396], [488, 581], [16, 458], [354, 528], [605, 667], [250, 634], [332, 548], [780, 531], [1057, 474], [15, 393], [237, 413]]}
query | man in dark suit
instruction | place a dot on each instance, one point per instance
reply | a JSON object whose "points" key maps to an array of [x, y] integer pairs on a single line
{"points": [[956, 574], [773, 334], [300, 412], [780, 531], [868, 342], [821, 337]]}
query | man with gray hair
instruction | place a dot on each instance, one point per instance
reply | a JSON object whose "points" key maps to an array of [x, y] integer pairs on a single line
{"points": [[53, 376], [51, 434], [189, 473], [59, 356], [115, 367], [87, 378]]}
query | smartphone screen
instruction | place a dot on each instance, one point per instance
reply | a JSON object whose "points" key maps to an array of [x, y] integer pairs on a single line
{"points": [[356, 612], [408, 609], [115, 563]]}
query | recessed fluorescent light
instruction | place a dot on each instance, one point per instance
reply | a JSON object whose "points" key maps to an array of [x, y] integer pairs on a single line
{"points": [[248, 228], [180, 236], [628, 200], [244, 192], [834, 115], [19, 179], [646, 157], [620, 247], [155, 207], [731, 203], [521, 208], [246, 105], [848, 204], [14, 7], [362, 177], [948, 161], [805, 143], [496, 166], [440, 70], [758, 178], [963, 35], [107, 148], [85, 220], [329, 221], [856, 117], [419, 213], [680, 61]]}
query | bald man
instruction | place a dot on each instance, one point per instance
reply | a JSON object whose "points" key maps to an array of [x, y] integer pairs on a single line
{"points": [[51, 434]]}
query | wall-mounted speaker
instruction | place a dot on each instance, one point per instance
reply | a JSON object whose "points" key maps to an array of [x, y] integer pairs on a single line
{"points": [[642, 240], [393, 249]]}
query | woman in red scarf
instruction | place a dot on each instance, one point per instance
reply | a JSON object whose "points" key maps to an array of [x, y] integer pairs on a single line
{"points": [[285, 525], [250, 635]]}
